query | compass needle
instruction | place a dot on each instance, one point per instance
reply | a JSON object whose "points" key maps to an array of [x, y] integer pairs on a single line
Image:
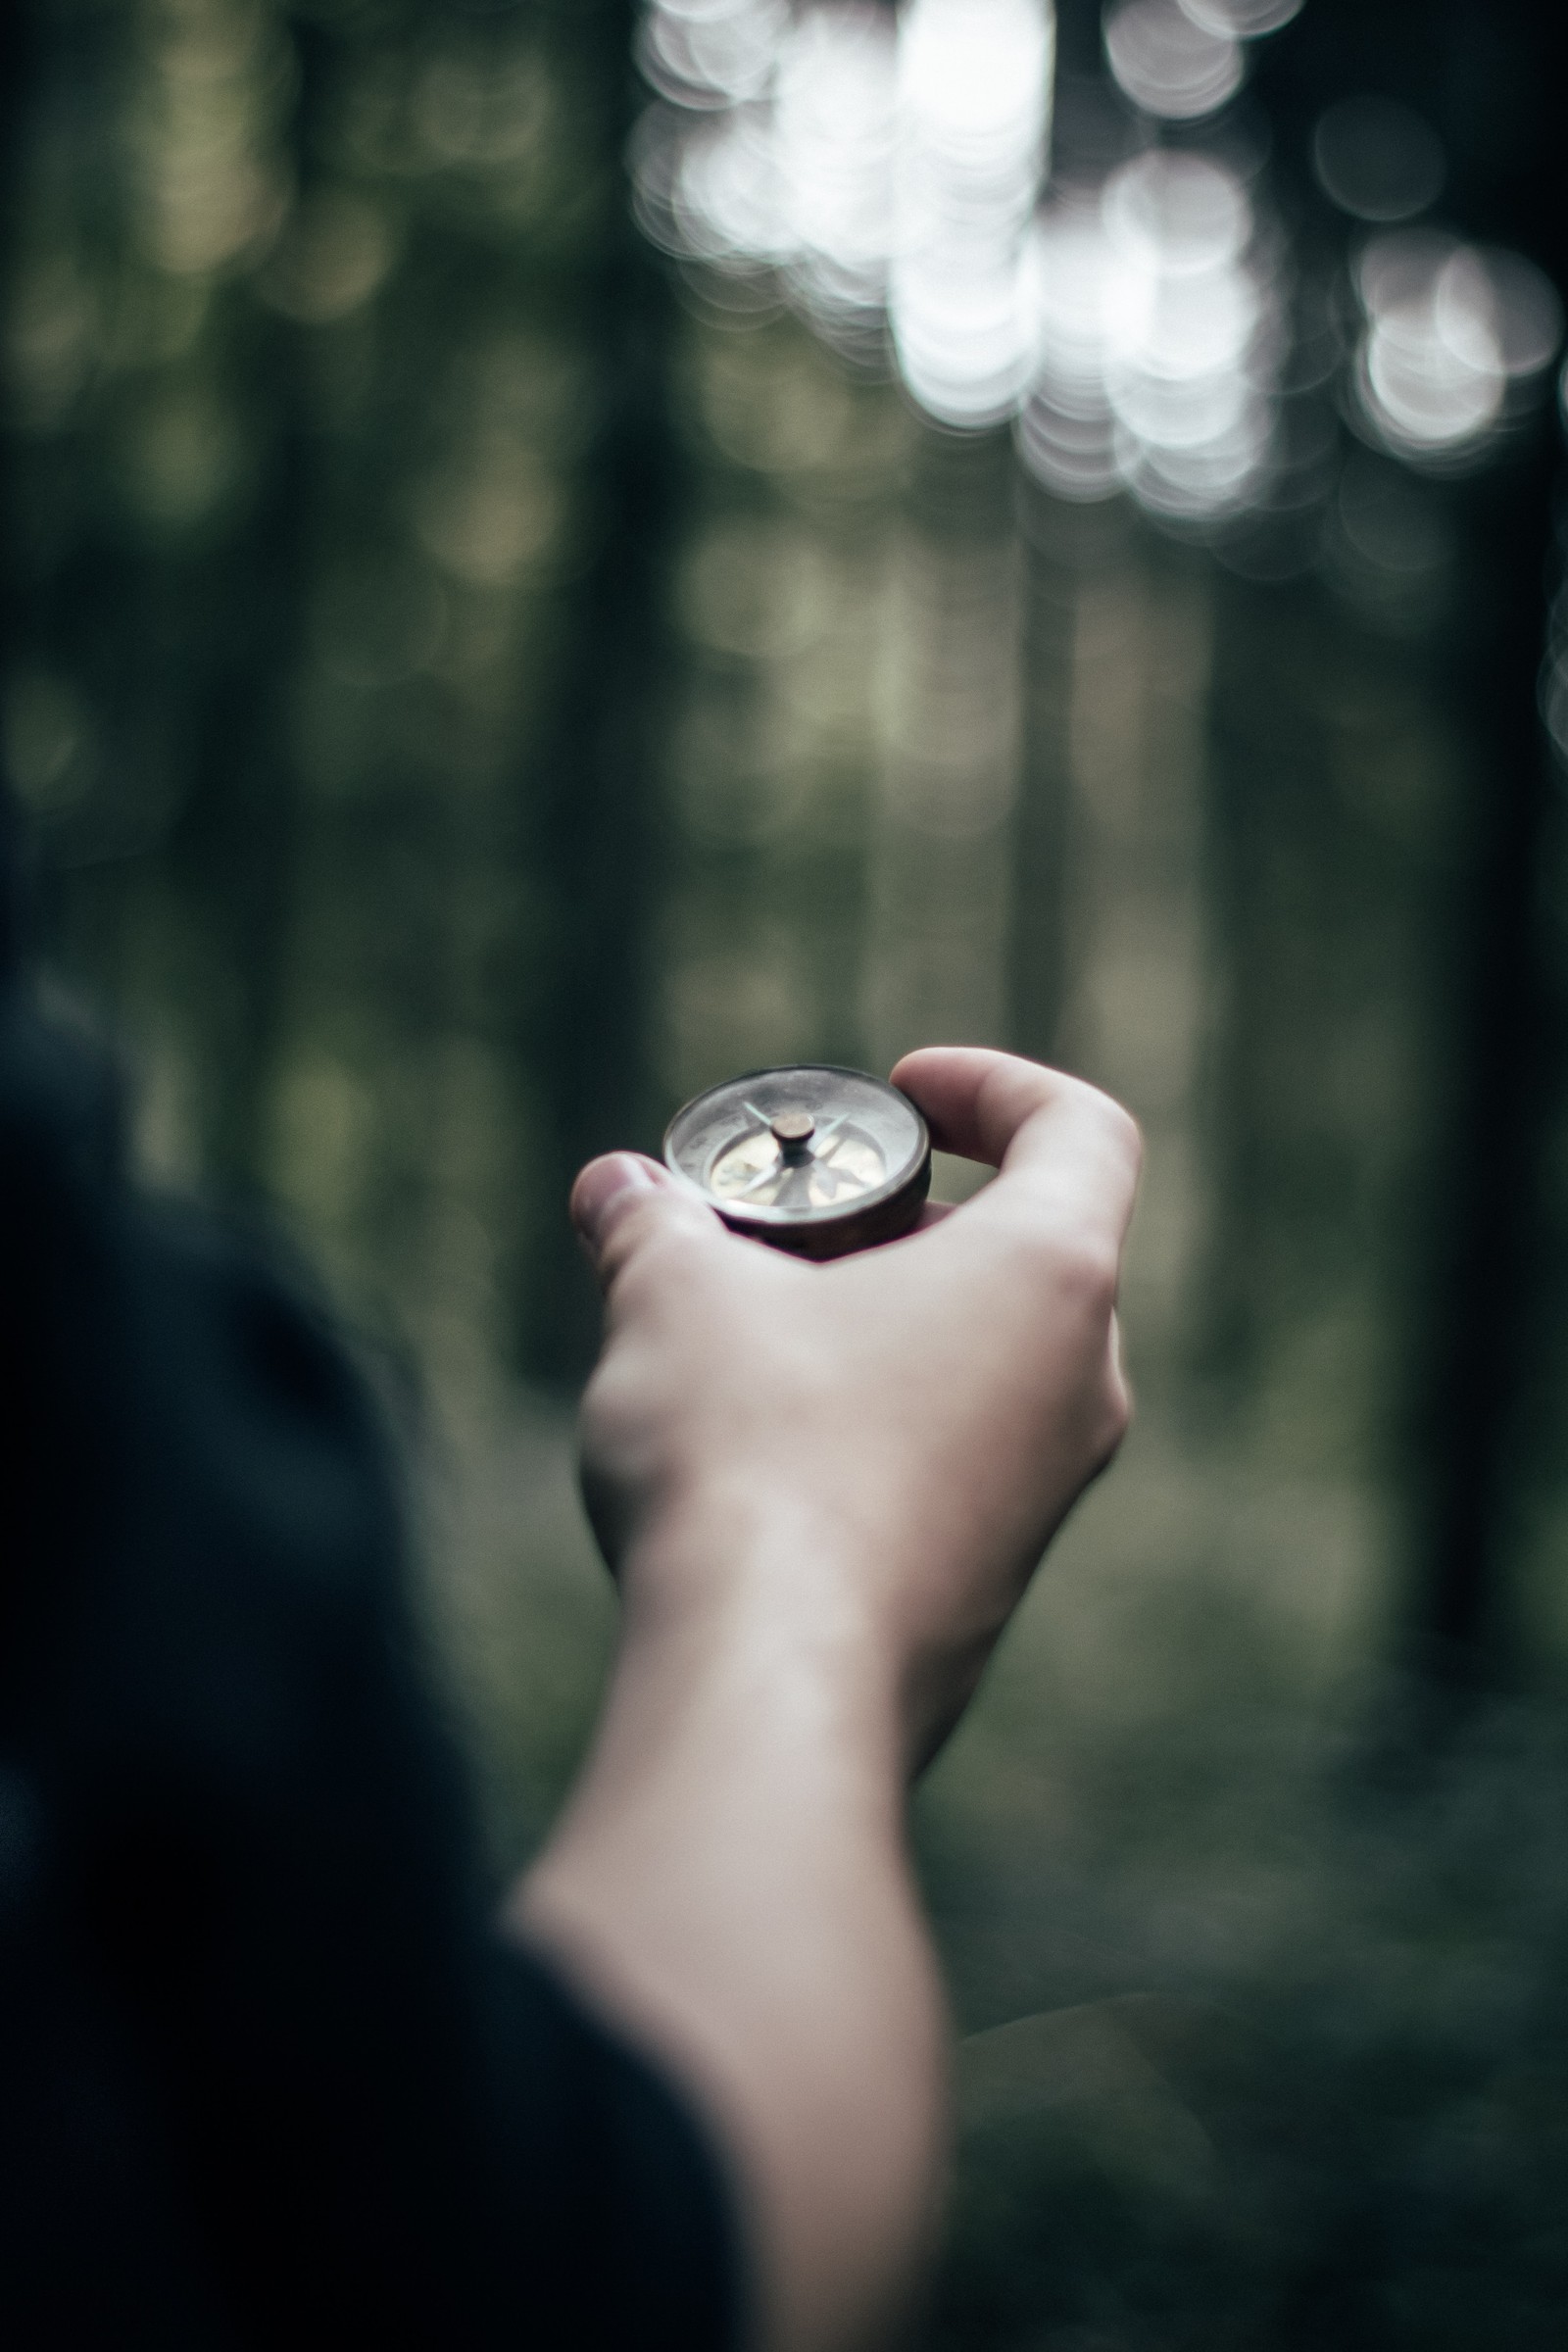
{"points": [[838, 1161]]}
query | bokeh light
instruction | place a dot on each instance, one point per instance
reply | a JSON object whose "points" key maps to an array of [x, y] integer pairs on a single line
{"points": [[711, 53], [887, 175], [1241, 19], [1376, 159], [886, 180], [1157, 342], [1447, 327], [884, 174], [833, 137], [975, 80], [215, 86], [1167, 62]]}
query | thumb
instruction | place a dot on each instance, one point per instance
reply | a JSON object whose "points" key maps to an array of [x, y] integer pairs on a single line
{"points": [[622, 1201]]}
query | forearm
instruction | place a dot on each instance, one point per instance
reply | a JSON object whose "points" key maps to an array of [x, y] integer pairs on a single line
{"points": [[730, 1878]]}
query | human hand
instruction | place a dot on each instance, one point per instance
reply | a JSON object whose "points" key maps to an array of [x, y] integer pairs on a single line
{"points": [[871, 1453], [824, 1489]]}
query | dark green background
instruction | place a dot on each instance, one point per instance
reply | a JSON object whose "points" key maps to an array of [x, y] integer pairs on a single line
{"points": [[470, 690]]}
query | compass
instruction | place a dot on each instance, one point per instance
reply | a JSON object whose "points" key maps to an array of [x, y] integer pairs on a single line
{"points": [[815, 1159]]}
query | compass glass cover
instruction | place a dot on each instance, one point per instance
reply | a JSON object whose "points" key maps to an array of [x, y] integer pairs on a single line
{"points": [[808, 1141]]}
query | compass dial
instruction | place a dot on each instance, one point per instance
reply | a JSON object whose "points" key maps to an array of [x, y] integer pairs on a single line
{"points": [[812, 1158], [756, 1168]]}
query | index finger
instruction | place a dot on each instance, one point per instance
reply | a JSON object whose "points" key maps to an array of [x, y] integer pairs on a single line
{"points": [[1051, 1137]]}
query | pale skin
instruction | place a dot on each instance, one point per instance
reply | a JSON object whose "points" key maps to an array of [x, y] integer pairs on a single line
{"points": [[823, 1491]]}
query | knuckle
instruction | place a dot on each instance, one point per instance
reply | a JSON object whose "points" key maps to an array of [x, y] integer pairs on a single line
{"points": [[609, 1405], [1125, 1131], [1066, 1257], [1113, 1119], [1086, 1269], [1120, 1129]]}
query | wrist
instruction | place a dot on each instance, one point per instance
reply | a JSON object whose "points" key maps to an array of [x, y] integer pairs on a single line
{"points": [[757, 1578], [741, 1582]]}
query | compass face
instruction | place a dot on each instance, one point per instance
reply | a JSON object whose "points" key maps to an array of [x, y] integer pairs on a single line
{"points": [[815, 1159]]}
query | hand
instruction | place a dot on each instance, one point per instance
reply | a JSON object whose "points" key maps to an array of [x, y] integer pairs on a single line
{"points": [[823, 1490], [874, 1451]]}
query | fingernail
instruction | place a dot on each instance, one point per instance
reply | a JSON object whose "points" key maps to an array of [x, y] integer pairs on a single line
{"points": [[601, 1182]]}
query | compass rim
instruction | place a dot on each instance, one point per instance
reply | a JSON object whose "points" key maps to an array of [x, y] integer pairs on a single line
{"points": [[821, 1220]]}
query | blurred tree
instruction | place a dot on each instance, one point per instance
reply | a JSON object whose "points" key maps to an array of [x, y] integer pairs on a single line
{"points": [[1480, 75], [18, 45], [345, 492], [595, 823], [1065, 549]]}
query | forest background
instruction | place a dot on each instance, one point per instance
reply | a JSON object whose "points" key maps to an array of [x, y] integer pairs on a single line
{"points": [[482, 662]]}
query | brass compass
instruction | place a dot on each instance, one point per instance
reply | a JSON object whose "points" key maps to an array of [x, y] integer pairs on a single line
{"points": [[814, 1160]]}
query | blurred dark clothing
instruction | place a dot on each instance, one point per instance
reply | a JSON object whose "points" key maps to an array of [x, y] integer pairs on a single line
{"points": [[267, 2073]]}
